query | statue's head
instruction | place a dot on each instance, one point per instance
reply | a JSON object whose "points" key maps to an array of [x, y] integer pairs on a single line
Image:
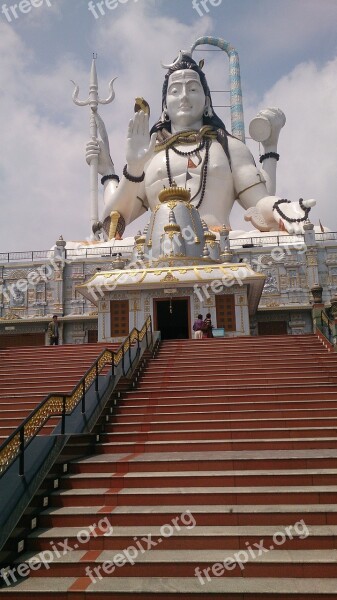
{"points": [[186, 103], [186, 63]]}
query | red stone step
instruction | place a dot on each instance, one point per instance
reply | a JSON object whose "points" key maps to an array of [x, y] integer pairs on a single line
{"points": [[212, 538], [239, 445], [270, 380], [186, 413], [153, 588], [210, 515], [204, 433], [238, 495], [195, 461], [264, 392], [257, 419], [166, 563], [200, 479]]}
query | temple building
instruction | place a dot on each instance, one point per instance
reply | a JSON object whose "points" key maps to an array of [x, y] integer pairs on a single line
{"points": [[274, 297]]}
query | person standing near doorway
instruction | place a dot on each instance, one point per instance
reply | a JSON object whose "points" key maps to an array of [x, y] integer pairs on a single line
{"points": [[197, 328], [207, 326], [53, 331]]}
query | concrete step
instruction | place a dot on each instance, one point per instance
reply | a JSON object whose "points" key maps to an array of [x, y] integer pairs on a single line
{"points": [[226, 387], [217, 379], [213, 435], [114, 495], [166, 588], [207, 461], [236, 365], [283, 477], [188, 563], [256, 419], [327, 390], [320, 537], [223, 403], [214, 445], [204, 515]]}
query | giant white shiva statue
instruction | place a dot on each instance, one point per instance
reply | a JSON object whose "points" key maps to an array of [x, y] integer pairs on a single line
{"points": [[190, 146]]}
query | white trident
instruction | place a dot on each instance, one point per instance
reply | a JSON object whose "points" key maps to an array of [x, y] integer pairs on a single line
{"points": [[93, 101]]}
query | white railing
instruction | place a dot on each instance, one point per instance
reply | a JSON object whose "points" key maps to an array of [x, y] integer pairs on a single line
{"points": [[70, 254], [126, 251]]}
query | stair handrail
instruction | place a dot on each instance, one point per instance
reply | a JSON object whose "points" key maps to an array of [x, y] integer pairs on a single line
{"points": [[326, 326], [60, 404]]}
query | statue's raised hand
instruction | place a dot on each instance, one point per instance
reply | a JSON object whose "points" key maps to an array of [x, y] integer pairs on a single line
{"points": [[140, 145], [266, 127]]}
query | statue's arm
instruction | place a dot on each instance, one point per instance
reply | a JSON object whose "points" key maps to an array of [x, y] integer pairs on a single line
{"points": [[251, 192], [249, 182], [126, 198], [265, 128]]}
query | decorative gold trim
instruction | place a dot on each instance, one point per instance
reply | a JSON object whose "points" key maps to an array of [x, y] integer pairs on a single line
{"points": [[170, 277], [174, 193], [172, 227], [209, 236], [10, 316], [191, 208], [197, 274], [140, 240], [172, 204], [114, 216]]}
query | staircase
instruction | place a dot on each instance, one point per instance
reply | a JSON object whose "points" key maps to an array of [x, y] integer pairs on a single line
{"points": [[29, 374], [216, 479]]}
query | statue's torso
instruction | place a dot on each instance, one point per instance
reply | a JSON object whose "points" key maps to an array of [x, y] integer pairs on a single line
{"points": [[219, 192]]}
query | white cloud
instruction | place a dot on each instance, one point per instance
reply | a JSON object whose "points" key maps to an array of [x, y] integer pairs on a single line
{"points": [[43, 175]]}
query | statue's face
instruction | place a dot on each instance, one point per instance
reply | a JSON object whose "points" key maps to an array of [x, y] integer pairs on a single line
{"points": [[185, 99]]}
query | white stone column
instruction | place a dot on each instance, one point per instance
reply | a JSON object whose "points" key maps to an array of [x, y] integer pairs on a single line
{"points": [[241, 312], [104, 321]]}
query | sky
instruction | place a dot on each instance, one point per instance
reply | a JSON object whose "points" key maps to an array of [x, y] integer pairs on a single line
{"points": [[288, 59]]}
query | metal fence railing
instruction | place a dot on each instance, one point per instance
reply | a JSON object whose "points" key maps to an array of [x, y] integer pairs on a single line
{"points": [[70, 254], [126, 251], [60, 404], [326, 326]]}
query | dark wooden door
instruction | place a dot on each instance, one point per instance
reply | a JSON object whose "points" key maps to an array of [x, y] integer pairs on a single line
{"points": [[273, 328], [22, 339], [225, 311], [92, 336], [119, 310]]}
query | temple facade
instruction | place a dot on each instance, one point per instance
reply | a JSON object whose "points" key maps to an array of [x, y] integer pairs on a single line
{"points": [[36, 285]]}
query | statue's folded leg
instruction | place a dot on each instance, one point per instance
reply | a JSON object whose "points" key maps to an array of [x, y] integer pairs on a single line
{"points": [[114, 225]]}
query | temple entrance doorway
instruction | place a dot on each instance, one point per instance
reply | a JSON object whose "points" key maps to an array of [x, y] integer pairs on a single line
{"points": [[172, 317]]}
